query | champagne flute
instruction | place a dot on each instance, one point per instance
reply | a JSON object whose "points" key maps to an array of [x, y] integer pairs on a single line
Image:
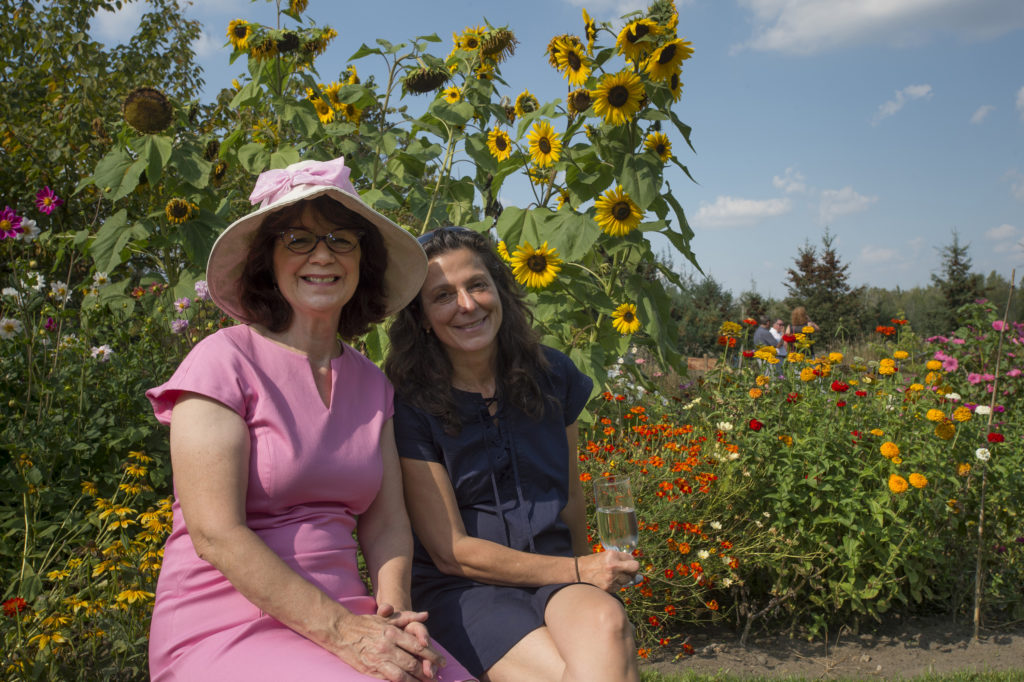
{"points": [[616, 516]]}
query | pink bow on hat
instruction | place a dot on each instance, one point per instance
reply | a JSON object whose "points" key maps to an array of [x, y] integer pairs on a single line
{"points": [[272, 185]]}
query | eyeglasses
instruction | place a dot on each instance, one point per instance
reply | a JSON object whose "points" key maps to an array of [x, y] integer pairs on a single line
{"points": [[424, 238], [301, 241]]}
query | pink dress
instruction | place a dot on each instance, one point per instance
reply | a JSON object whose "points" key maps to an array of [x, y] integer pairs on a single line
{"points": [[312, 470]]}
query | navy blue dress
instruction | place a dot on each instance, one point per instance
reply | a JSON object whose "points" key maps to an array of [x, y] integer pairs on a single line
{"points": [[510, 474]]}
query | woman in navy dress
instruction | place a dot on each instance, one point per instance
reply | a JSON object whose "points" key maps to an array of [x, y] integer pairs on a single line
{"points": [[485, 422]]}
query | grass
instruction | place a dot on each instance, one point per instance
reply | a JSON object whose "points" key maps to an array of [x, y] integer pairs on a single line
{"points": [[1006, 676]]}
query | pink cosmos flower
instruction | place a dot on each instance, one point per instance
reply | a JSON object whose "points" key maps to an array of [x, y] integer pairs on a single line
{"points": [[47, 200], [10, 223]]}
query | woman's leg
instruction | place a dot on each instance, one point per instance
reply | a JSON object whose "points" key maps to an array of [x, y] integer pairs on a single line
{"points": [[534, 658], [593, 635]]}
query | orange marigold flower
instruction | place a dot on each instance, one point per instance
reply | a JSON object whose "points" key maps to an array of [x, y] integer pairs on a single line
{"points": [[585, 476], [963, 469], [755, 393], [684, 547], [713, 605]]}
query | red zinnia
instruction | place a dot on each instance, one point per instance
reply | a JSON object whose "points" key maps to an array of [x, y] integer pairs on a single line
{"points": [[755, 425], [751, 321], [792, 397], [748, 353], [14, 606], [840, 387], [789, 338], [860, 393], [995, 438], [840, 403]]}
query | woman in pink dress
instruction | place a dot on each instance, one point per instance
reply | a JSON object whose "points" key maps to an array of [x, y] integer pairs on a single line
{"points": [[282, 448]]}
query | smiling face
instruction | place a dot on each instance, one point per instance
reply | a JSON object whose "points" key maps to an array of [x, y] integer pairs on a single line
{"points": [[321, 282], [461, 304]]}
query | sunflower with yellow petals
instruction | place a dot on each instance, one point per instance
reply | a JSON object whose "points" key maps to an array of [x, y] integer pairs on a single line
{"points": [[503, 252], [526, 104], [555, 46], [666, 59], [618, 97], [239, 31], [469, 40], [535, 268], [624, 319], [324, 110], [180, 210], [617, 213], [590, 29], [350, 112], [675, 86], [634, 39], [572, 61], [545, 145], [453, 94], [499, 144], [659, 144]]}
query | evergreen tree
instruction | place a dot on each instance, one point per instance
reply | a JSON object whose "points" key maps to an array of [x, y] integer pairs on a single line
{"points": [[701, 307], [819, 281], [955, 281]]}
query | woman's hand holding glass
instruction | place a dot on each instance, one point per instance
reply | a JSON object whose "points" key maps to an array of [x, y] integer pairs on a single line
{"points": [[616, 520]]}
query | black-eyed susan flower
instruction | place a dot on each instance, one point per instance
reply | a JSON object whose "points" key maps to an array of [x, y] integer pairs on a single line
{"points": [[618, 97], [499, 144], [634, 40], [666, 59], [545, 145], [624, 319], [535, 268], [590, 29], [526, 104], [572, 61], [453, 94], [617, 213], [659, 144], [179, 210], [239, 32]]}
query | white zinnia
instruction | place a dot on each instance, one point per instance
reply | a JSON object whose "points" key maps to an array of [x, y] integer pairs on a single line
{"points": [[724, 426], [955, 397], [102, 353], [717, 525], [703, 554], [982, 454], [9, 327], [982, 409]]}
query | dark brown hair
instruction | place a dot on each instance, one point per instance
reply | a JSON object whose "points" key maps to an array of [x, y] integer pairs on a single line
{"points": [[262, 301], [418, 365]]}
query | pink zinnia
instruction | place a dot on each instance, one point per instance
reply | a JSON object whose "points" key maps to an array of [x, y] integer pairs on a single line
{"points": [[999, 325], [10, 223], [974, 377], [950, 364], [47, 200], [1015, 372]]}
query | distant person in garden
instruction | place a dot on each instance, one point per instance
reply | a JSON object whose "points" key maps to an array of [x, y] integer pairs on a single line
{"points": [[282, 445], [777, 330], [763, 334], [485, 420], [798, 319]]}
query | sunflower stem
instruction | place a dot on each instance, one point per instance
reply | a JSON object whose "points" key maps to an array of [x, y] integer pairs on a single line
{"points": [[445, 170]]}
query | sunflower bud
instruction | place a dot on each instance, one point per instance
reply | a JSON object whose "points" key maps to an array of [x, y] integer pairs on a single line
{"points": [[579, 101], [425, 79], [147, 110]]}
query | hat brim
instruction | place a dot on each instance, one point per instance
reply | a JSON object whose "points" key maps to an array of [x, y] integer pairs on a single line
{"points": [[403, 275]]}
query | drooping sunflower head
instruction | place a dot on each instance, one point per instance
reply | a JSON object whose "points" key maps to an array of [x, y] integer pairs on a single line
{"points": [[579, 101], [219, 172], [288, 42], [675, 86], [264, 50], [617, 213], [660, 145], [666, 59], [239, 31], [618, 97], [425, 79], [526, 103], [535, 268], [590, 30], [179, 210], [636, 39], [147, 110], [297, 6], [499, 44], [212, 150], [573, 62], [316, 44], [453, 94], [624, 319], [545, 145], [499, 144]]}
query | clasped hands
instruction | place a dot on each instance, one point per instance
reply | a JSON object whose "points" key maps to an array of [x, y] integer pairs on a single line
{"points": [[392, 645]]}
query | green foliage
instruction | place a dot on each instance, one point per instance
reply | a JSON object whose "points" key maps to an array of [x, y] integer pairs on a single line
{"points": [[819, 282], [955, 281]]}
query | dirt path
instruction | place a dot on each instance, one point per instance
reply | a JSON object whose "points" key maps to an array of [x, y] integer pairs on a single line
{"points": [[902, 650]]}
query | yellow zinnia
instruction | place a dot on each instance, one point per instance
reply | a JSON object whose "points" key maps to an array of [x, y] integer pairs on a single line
{"points": [[666, 59], [889, 449], [962, 414], [897, 484], [755, 393], [933, 365], [945, 430], [901, 355], [499, 144], [807, 374], [918, 480], [877, 432], [535, 268], [963, 468], [835, 358], [624, 319], [935, 415], [618, 97], [545, 145], [659, 144], [616, 213]]}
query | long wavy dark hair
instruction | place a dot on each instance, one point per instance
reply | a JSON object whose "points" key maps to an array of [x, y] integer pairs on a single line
{"points": [[418, 365], [263, 302]]}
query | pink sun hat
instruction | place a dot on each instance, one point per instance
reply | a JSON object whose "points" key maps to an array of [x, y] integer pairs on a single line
{"points": [[276, 189]]}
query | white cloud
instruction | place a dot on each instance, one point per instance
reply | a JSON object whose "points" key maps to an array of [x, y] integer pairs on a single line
{"points": [[877, 254], [736, 212], [1004, 232], [1020, 102], [791, 181], [118, 26], [811, 26], [983, 111], [907, 94], [840, 202], [209, 46], [610, 10]]}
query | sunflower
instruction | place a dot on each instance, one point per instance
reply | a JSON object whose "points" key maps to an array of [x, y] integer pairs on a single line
{"points": [[425, 79], [219, 172], [264, 50], [453, 94], [563, 200], [179, 210], [239, 31], [535, 268], [350, 75], [555, 46], [631, 43], [503, 252], [469, 40], [499, 144], [540, 176], [526, 104], [545, 146], [624, 319], [659, 144], [324, 111], [618, 97], [616, 213], [666, 59], [297, 6], [579, 101], [499, 44], [315, 46], [573, 62], [350, 111], [147, 110], [675, 86], [590, 29]]}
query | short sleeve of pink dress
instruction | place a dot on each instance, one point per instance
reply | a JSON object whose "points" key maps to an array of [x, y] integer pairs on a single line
{"points": [[312, 470]]}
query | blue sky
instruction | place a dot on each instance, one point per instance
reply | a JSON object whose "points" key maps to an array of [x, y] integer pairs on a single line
{"points": [[890, 122]]}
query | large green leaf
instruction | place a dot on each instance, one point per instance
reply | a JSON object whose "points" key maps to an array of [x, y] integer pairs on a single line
{"points": [[254, 157]]}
